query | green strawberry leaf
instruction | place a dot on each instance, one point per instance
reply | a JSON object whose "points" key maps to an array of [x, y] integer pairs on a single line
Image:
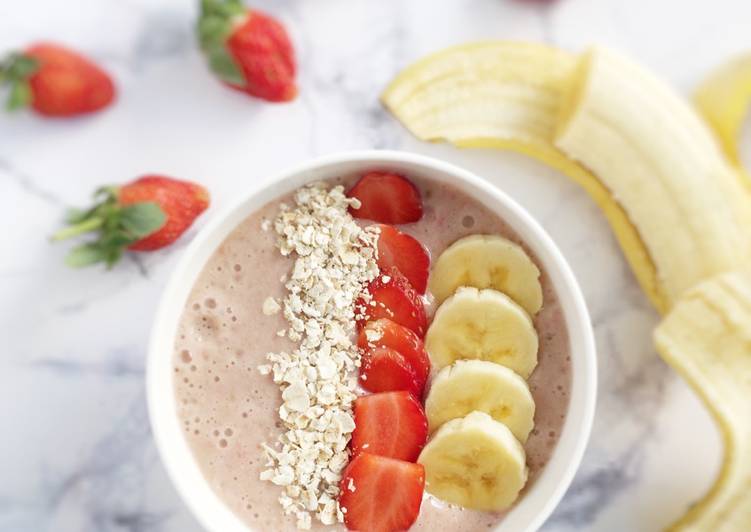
{"points": [[113, 255], [142, 219], [116, 240], [212, 31], [17, 67], [224, 66], [85, 255], [217, 21], [222, 8], [15, 71], [20, 96], [22, 67]]}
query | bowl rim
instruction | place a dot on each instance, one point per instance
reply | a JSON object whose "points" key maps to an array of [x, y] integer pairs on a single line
{"points": [[530, 512]]}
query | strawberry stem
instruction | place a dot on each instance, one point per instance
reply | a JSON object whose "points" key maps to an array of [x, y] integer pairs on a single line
{"points": [[87, 226], [15, 71]]}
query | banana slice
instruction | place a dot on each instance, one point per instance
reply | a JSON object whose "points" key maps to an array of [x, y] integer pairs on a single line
{"points": [[661, 162], [488, 261], [486, 325], [474, 462], [724, 98], [507, 95], [707, 339], [477, 385]]}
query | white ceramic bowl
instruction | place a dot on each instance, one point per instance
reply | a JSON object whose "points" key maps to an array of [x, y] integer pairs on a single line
{"points": [[539, 501]]}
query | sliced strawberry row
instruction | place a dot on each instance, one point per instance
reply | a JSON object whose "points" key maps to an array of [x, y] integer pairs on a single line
{"points": [[381, 488]]}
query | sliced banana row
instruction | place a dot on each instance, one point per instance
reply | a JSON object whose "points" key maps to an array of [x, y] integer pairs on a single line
{"points": [[482, 339]]}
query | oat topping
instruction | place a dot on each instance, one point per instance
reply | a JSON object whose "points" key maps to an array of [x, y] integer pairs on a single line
{"points": [[270, 306], [334, 259], [373, 334]]}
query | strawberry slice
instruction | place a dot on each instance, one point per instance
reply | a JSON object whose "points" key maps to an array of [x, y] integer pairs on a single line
{"points": [[386, 370], [387, 198], [391, 424], [391, 296], [405, 253], [386, 333], [381, 494]]}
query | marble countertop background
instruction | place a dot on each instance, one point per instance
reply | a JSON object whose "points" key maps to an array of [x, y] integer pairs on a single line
{"points": [[76, 452]]}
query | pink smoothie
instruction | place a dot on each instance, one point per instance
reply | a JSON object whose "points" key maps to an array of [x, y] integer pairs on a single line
{"points": [[228, 409]]}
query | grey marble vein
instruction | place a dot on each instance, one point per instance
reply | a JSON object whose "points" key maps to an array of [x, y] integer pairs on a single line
{"points": [[117, 366], [27, 183]]}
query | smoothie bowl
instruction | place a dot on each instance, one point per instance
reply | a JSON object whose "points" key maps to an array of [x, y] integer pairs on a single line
{"points": [[376, 341]]}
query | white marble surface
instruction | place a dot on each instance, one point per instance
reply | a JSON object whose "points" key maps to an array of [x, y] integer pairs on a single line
{"points": [[76, 452]]}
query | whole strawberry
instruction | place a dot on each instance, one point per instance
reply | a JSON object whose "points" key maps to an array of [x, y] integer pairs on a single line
{"points": [[249, 50], [55, 81], [143, 215]]}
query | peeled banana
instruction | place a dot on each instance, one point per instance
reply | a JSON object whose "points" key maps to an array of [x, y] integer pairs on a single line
{"points": [[508, 95], [474, 462], [723, 99], [488, 261], [661, 162], [485, 325], [707, 339], [477, 385]]}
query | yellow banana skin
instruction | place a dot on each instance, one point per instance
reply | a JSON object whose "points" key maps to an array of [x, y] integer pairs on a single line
{"points": [[707, 339], [507, 95], [723, 99]]}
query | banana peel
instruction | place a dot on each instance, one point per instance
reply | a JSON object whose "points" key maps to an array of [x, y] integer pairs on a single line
{"points": [[723, 99], [706, 338], [507, 95]]}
